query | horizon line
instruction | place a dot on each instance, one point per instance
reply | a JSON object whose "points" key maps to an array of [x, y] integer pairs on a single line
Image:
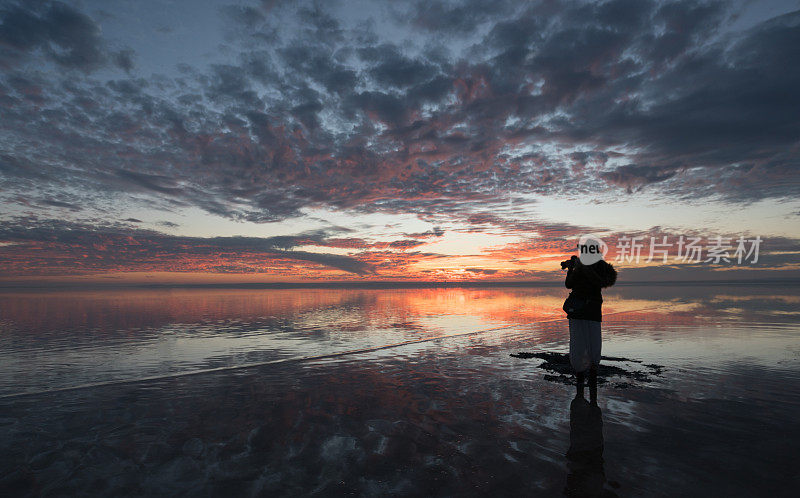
{"points": [[376, 284]]}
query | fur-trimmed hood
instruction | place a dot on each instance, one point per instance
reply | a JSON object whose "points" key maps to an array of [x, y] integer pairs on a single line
{"points": [[606, 272]]}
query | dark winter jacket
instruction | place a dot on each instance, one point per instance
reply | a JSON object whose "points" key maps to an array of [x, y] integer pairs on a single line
{"points": [[586, 282]]}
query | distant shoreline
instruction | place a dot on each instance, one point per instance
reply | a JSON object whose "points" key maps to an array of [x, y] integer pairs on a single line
{"points": [[375, 284]]}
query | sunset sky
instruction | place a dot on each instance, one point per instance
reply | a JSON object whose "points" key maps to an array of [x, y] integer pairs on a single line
{"points": [[270, 141]]}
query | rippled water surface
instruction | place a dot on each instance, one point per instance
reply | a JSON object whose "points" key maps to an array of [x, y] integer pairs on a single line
{"points": [[265, 392]]}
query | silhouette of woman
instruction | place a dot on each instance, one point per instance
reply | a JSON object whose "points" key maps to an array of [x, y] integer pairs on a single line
{"points": [[584, 311]]}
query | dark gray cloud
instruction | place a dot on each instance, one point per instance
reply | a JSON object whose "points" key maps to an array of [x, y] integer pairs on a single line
{"points": [[65, 35], [124, 59], [477, 104], [632, 177], [485, 271], [393, 69], [104, 246]]}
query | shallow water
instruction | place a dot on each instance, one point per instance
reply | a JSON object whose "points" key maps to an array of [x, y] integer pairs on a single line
{"points": [[451, 416]]}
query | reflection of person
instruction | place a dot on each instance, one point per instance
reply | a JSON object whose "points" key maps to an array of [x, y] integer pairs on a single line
{"points": [[584, 311], [586, 476]]}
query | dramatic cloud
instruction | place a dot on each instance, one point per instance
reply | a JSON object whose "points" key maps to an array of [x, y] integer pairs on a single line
{"points": [[65, 36], [450, 111], [57, 248], [48, 247]]}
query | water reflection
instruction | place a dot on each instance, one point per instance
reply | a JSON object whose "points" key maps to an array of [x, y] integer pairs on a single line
{"points": [[586, 476], [456, 417], [54, 339]]}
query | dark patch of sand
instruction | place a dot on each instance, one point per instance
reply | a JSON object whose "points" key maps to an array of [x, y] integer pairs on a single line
{"points": [[561, 371]]}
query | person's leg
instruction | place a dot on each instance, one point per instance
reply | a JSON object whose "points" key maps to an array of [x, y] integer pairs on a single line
{"points": [[595, 348], [579, 353], [594, 341], [577, 346]]}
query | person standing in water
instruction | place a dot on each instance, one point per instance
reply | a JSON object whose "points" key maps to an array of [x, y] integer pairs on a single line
{"points": [[584, 311]]}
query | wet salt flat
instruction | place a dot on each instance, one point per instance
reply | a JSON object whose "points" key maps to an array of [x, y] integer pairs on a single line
{"points": [[451, 416]]}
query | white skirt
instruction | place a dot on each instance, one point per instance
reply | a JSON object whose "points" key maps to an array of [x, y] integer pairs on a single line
{"points": [[584, 344]]}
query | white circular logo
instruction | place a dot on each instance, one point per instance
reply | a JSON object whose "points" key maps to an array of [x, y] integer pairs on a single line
{"points": [[591, 249]]}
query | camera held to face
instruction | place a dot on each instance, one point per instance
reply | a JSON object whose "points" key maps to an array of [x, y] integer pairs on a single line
{"points": [[569, 264]]}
